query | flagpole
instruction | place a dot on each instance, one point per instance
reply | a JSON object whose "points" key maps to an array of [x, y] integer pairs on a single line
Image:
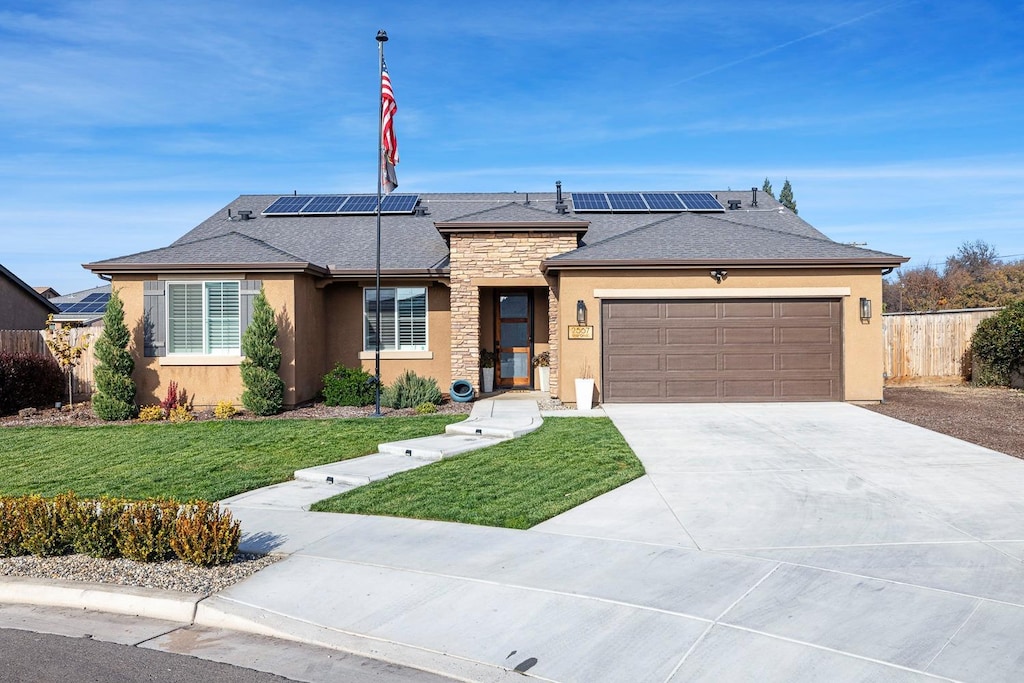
{"points": [[382, 38]]}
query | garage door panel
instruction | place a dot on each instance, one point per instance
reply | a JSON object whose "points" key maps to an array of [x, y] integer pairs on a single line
{"points": [[635, 310], [689, 310], [807, 335], [725, 350], [691, 361], [806, 361]]}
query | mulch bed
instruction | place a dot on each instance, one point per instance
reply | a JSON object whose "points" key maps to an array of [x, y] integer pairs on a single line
{"points": [[992, 417]]}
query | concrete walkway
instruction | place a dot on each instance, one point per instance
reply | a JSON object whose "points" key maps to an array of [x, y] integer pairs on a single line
{"points": [[782, 542]]}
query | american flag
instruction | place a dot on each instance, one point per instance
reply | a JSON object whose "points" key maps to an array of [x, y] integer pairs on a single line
{"points": [[389, 143]]}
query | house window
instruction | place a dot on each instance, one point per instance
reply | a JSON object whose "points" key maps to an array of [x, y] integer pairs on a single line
{"points": [[403, 318], [203, 318]]}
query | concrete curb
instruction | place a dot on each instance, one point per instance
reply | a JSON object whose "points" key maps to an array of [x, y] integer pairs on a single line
{"points": [[152, 603]]}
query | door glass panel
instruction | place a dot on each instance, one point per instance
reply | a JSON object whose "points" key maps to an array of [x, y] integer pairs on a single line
{"points": [[513, 364], [514, 334], [513, 306]]}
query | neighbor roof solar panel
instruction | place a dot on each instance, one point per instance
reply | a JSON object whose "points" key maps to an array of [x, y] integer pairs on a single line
{"points": [[700, 201], [361, 203], [590, 201], [399, 203], [626, 201], [287, 205]]}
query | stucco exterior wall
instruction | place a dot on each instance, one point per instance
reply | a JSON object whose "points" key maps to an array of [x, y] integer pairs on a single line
{"points": [[19, 310], [862, 341]]}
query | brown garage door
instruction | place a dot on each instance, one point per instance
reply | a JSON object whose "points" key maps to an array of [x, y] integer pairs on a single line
{"points": [[722, 350]]}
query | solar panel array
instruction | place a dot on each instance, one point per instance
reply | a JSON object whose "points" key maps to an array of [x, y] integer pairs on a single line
{"points": [[645, 201], [92, 303], [340, 205]]}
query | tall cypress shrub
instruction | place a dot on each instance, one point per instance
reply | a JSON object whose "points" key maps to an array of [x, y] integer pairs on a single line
{"points": [[264, 389], [115, 390]]}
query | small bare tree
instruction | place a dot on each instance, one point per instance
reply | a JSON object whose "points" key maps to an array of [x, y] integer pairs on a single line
{"points": [[68, 354]]}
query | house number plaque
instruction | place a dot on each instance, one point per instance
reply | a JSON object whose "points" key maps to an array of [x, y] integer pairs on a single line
{"points": [[581, 331]]}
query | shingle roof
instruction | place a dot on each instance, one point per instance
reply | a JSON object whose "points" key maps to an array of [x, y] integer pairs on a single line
{"points": [[412, 243]]}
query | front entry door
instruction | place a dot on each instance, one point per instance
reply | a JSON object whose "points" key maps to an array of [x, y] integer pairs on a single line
{"points": [[514, 324]]}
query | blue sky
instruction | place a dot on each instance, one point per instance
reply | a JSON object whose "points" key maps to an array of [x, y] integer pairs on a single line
{"points": [[124, 124]]}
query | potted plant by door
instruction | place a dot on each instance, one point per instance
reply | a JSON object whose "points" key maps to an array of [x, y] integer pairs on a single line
{"points": [[487, 359], [585, 388], [542, 361]]}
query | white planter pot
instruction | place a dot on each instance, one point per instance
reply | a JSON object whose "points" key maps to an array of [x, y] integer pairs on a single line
{"points": [[584, 394], [488, 379], [544, 378]]}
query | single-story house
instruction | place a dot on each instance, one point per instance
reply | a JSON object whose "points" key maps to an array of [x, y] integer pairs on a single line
{"points": [[21, 306], [658, 296]]}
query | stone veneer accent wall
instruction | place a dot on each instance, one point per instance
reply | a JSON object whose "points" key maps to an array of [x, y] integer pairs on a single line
{"points": [[509, 255]]}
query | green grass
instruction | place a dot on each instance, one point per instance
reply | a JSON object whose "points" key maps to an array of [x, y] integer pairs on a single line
{"points": [[515, 484], [208, 460]]}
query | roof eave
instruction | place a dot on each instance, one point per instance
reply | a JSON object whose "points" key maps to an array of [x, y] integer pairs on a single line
{"points": [[662, 264], [579, 227], [101, 268], [389, 273]]}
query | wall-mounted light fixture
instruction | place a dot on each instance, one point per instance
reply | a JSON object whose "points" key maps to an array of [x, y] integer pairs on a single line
{"points": [[719, 275], [581, 313], [865, 309]]}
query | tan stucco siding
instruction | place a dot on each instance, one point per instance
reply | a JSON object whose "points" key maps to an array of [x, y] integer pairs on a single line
{"points": [[862, 341], [343, 332], [19, 310]]}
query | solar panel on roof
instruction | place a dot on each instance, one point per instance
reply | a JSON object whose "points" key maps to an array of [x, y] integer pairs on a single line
{"points": [[325, 204], [698, 201], [360, 203], [663, 201], [96, 296], [399, 203], [590, 201], [626, 201], [286, 205]]}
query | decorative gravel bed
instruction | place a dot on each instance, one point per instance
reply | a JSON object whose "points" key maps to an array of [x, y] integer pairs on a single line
{"points": [[174, 575]]}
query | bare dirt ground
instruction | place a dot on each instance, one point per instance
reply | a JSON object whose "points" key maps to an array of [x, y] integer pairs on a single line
{"points": [[992, 417]]}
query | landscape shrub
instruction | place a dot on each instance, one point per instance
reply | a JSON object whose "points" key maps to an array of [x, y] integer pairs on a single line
{"points": [[153, 530], [151, 414], [426, 408], [180, 413], [410, 390], [28, 380], [224, 410], [998, 346], [145, 529], [264, 389], [12, 527], [348, 387], [49, 525], [205, 535], [96, 527], [115, 389]]}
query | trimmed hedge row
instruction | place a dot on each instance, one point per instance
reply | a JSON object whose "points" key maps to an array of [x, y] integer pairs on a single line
{"points": [[197, 532], [29, 380]]}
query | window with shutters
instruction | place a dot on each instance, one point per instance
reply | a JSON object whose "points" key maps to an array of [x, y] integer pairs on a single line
{"points": [[403, 318], [203, 318]]}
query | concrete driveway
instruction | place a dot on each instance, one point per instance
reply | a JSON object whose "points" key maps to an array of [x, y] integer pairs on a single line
{"points": [[798, 542]]}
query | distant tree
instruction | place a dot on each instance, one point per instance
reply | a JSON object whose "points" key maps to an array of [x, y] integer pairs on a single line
{"points": [[767, 188], [115, 390], [998, 286], [264, 389], [975, 258], [916, 289], [786, 197]]}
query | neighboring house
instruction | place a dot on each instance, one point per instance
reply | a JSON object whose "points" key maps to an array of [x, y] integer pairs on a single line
{"points": [[658, 296], [83, 308], [47, 292], [21, 306]]}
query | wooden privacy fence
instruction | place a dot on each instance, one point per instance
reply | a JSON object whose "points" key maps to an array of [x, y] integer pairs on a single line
{"points": [[932, 347], [33, 341]]}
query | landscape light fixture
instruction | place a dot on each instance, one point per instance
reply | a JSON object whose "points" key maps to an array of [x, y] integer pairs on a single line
{"points": [[865, 309], [581, 313]]}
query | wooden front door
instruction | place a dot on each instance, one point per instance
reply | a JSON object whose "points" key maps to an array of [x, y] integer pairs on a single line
{"points": [[513, 332]]}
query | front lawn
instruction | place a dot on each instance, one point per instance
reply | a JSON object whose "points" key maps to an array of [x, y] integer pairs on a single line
{"points": [[515, 484], [208, 460]]}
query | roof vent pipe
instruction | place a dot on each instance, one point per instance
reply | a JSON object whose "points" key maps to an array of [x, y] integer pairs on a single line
{"points": [[753, 196], [734, 204], [560, 205], [244, 215]]}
